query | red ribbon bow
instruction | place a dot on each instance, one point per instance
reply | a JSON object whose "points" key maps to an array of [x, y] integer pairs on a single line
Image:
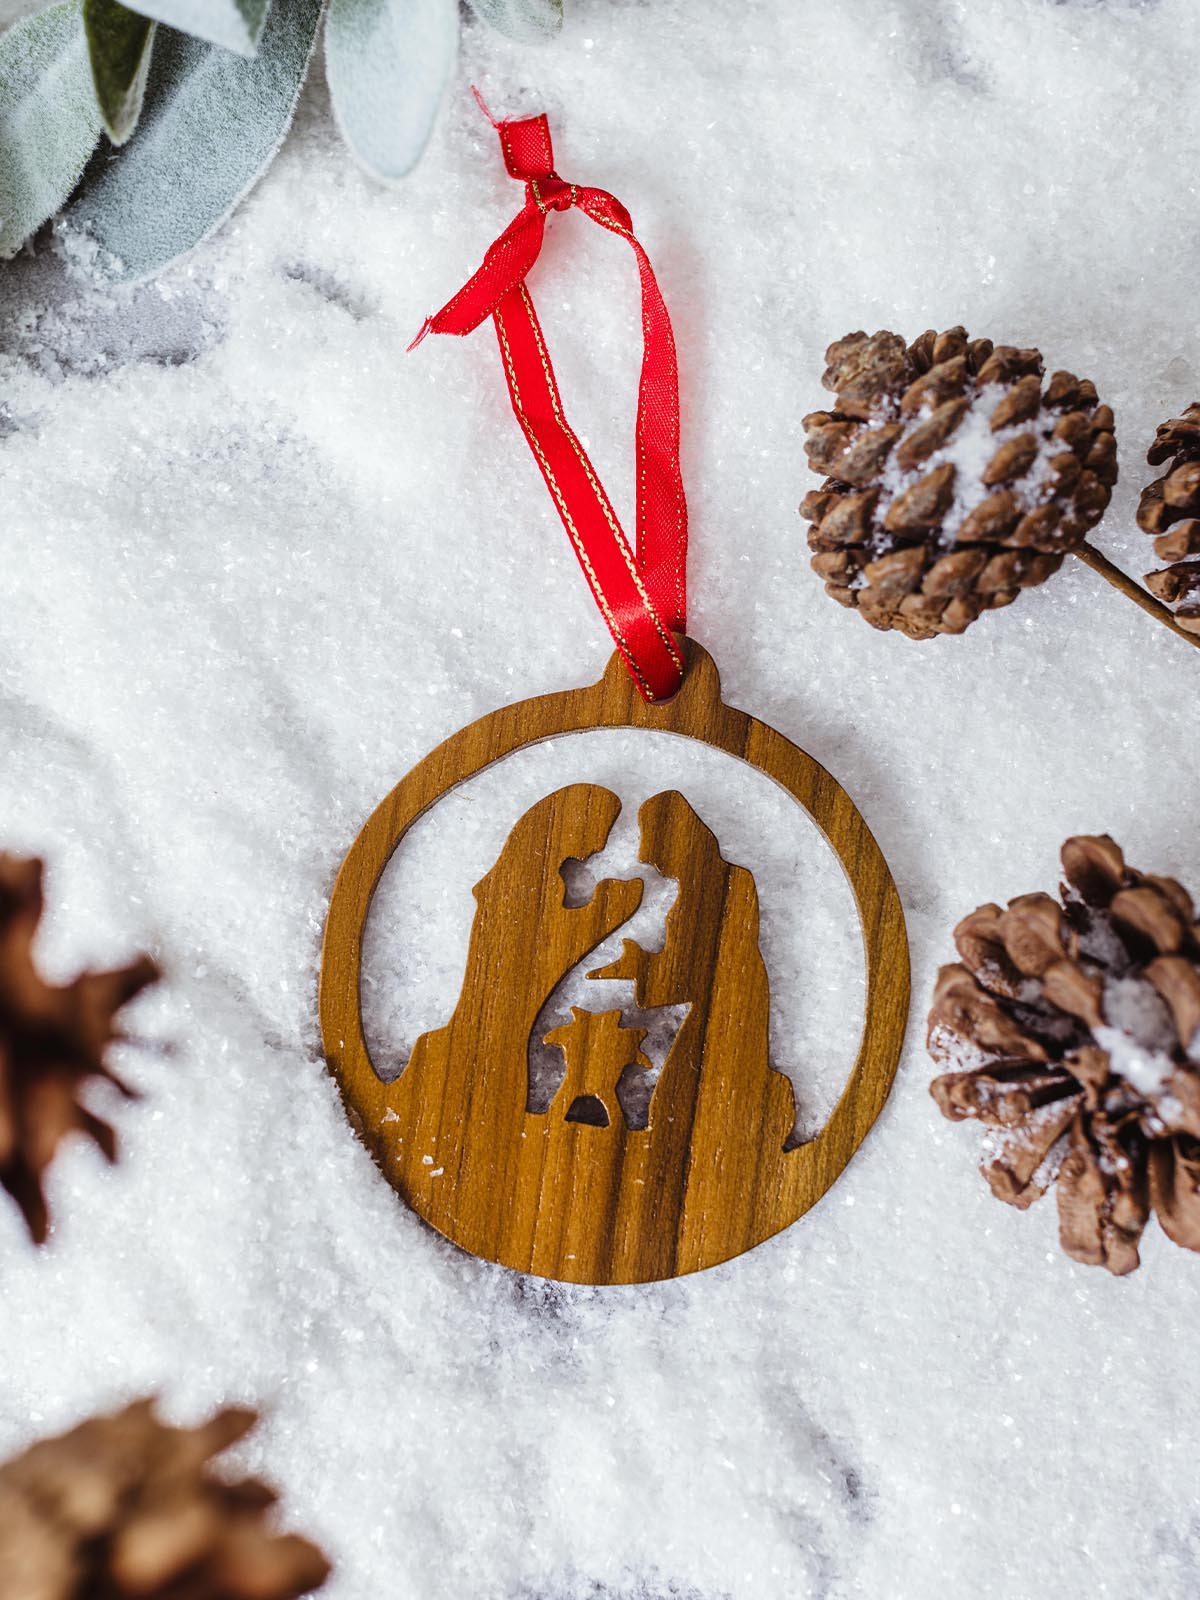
{"points": [[641, 592]]}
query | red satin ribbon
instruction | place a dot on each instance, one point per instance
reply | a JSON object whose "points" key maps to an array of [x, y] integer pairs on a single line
{"points": [[641, 592]]}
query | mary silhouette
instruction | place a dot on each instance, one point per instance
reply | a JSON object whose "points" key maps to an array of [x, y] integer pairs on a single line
{"points": [[572, 1191]]}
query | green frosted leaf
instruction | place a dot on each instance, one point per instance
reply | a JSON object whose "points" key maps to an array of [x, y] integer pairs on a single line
{"points": [[120, 43], [49, 122], [211, 123], [388, 62], [233, 24], [529, 21]]}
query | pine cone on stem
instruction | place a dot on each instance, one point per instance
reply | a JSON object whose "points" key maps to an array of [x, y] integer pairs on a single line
{"points": [[953, 479], [126, 1506], [1169, 510], [53, 1040], [1072, 1033]]}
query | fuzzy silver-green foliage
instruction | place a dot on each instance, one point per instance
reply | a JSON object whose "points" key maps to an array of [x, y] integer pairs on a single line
{"points": [[196, 97], [119, 44], [211, 123], [388, 63], [49, 121], [233, 24], [528, 21]]}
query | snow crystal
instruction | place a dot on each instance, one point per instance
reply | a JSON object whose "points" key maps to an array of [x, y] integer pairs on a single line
{"points": [[1140, 1035], [1048, 1168], [954, 1053], [998, 1144], [969, 449], [1099, 941], [1135, 1006], [1146, 1069], [258, 562]]}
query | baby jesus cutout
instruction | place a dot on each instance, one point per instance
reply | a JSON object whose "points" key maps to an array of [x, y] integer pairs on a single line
{"points": [[598, 1050]]}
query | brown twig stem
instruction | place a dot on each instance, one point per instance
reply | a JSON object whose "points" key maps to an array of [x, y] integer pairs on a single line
{"points": [[1121, 580]]}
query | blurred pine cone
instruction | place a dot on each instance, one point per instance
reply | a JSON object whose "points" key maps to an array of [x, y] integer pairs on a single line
{"points": [[52, 1040], [1170, 510], [127, 1506], [952, 480], [1073, 1033]]}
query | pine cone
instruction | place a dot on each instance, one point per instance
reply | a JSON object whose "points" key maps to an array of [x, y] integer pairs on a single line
{"points": [[1170, 510], [127, 1506], [953, 480], [52, 1040], [1074, 1035]]}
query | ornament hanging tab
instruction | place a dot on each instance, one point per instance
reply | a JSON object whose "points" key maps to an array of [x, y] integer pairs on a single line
{"points": [[640, 590]]}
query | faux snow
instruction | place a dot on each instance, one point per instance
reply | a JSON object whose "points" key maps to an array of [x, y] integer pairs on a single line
{"points": [[1139, 1036], [969, 449], [258, 562]]}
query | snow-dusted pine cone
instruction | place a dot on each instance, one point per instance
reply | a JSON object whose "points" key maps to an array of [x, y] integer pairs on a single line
{"points": [[1073, 1033], [53, 1040], [953, 480], [1170, 510], [127, 1506]]}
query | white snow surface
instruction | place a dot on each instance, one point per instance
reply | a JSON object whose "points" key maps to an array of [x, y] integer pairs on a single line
{"points": [[258, 562]]}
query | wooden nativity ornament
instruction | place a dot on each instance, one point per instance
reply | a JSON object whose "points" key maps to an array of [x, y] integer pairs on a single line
{"points": [[582, 1188], [572, 1191]]}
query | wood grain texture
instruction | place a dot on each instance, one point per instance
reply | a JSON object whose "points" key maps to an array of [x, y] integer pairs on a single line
{"points": [[711, 1174]]}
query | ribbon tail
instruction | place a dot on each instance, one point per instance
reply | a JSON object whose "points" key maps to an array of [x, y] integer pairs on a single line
{"points": [[617, 583], [504, 269], [661, 502]]}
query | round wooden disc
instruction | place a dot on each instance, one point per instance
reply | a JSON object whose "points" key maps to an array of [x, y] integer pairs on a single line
{"points": [[573, 1192]]}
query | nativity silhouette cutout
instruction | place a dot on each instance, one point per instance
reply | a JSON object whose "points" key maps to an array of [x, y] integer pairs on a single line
{"points": [[573, 1190]]}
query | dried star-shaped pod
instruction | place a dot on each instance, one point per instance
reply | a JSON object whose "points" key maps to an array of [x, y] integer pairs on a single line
{"points": [[127, 1506], [53, 1040], [1071, 1029], [953, 478], [1169, 510]]}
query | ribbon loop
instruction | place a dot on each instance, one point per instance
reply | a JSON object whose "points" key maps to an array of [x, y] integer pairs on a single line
{"points": [[641, 591], [528, 152]]}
